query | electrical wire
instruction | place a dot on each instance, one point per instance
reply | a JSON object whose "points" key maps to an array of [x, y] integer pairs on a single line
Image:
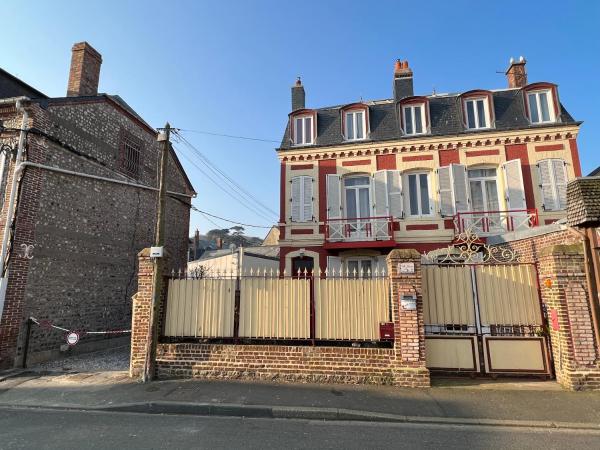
{"points": [[232, 136], [233, 184], [229, 220]]}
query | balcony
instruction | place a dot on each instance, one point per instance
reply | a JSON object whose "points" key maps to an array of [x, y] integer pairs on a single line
{"points": [[489, 223], [362, 231]]}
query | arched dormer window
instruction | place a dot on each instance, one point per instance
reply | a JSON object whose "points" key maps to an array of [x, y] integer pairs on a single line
{"points": [[355, 122], [478, 110], [414, 115], [541, 103], [303, 127]]}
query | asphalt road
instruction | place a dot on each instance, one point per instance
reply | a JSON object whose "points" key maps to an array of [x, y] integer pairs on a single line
{"points": [[51, 429]]}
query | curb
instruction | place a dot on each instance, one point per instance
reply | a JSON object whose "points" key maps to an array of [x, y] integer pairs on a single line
{"points": [[303, 413]]}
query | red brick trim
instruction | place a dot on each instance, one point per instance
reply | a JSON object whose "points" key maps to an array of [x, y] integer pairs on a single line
{"points": [[301, 231], [386, 162], [575, 157], [359, 162], [301, 166], [326, 167], [448, 224], [549, 148], [423, 226], [448, 157], [282, 201], [417, 158], [519, 151], [482, 153]]}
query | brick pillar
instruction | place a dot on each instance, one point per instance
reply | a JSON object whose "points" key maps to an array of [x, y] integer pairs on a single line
{"points": [[409, 329], [574, 348], [140, 316]]}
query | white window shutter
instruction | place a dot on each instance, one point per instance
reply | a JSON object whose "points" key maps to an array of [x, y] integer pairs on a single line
{"points": [[296, 199], [394, 185], [460, 186], [307, 199], [513, 178], [334, 266], [445, 191], [559, 169], [546, 185], [334, 197], [380, 193], [380, 268]]}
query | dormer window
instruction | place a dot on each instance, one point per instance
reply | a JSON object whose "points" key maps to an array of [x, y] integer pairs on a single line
{"points": [[540, 108], [303, 130], [477, 113], [354, 125], [413, 119]]}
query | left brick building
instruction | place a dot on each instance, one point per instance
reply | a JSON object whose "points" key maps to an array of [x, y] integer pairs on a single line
{"points": [[82, 206]]}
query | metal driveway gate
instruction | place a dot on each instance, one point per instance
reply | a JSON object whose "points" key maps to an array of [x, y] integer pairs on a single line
{"points": [[482, 312]]}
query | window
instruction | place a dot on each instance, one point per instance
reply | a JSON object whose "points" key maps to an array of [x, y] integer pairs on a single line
{"points": [[540, 109], [130, 149], [418, 200], [359, 267], [483, 189], [302, 199], [303, 130], [414, 119], [477, 112], [355, 125], [553, 184], [357, 196]]}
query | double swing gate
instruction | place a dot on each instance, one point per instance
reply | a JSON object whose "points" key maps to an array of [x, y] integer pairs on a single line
{"points": [[484, 318]]}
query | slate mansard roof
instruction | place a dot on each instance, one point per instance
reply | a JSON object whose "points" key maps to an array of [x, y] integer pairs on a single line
{"points": [[583, 202], [445, 114]]}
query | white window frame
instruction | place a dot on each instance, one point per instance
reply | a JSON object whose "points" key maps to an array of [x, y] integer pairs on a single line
{"points": [[303, 219], [413, 122], [549, 97], [303, 118], [352, 115], [344, 195], [486, 111], [406, 194], [482, 180], [553, 184], [359, 260]]}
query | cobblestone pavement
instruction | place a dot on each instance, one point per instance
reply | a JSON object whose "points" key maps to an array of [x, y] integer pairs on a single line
{"points": [[114, 359]]}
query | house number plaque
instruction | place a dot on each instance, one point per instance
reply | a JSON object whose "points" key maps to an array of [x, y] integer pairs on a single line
{"points": [[407, 268]]}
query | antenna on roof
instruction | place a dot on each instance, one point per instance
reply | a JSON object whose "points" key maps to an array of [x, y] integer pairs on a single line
{"points": [[434, 92]]}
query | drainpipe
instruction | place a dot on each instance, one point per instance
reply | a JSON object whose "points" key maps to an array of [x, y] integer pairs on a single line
{"points": [[591, 284]]}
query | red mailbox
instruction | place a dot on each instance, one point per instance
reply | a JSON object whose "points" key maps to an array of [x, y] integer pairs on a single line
{"points": [[386, 331]]}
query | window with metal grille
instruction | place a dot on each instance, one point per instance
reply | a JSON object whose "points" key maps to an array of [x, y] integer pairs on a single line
{"points": [[130, 154]]}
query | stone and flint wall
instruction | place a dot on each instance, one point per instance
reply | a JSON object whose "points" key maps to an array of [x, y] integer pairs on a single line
{"points": [[402, 365]]}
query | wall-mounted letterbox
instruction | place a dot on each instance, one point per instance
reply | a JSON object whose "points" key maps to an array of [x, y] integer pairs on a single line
{"points": [[386, 331], [408, 302]]}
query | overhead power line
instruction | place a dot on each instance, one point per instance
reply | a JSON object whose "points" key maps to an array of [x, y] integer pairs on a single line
{"points": [[232, 136], [229, 220]]}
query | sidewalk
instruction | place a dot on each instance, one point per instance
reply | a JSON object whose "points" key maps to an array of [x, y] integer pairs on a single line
{"points": [[462, 401]]}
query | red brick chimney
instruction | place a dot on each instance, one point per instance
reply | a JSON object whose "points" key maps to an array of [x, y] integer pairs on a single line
{"points": [[84, 75], [403, 80], [516, 73]]}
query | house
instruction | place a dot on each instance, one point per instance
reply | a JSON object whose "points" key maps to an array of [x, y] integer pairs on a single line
{"points": [[414, 171], [272, 237], [235, 261], [79, 193]]}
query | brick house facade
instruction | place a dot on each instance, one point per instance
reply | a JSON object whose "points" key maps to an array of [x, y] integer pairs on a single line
{"points": [[86, 206]]}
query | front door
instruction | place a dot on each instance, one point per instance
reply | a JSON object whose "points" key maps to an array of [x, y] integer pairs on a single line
{"points": [[358, 206]]}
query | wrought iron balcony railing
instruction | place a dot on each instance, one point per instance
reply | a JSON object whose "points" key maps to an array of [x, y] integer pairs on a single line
{"points": [[359, 229], [488, 223]]}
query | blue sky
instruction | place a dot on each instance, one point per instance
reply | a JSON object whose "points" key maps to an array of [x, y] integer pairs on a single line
{"points": [[227, 66]]}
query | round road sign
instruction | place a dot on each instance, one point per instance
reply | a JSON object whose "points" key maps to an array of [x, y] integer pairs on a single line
{"points": [[72, 338]]}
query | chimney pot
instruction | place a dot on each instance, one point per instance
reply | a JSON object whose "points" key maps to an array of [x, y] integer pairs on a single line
{"points": [[516, 73], [84, 74], [403, 80]]}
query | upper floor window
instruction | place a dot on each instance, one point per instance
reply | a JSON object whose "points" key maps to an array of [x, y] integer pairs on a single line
{"points": [[477, 113], [413, 118], [416, 188], [540, 106], [303, 130], [483, 189], [354, 125], [302, 199], [553, 184], [130, 154]]}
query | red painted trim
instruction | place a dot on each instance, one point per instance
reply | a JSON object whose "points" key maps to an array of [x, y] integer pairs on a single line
{"points": [[519, 151], [359, 162], [386, 162], [538, 86], [448, 157], [364, 244], [423, 226], [417, 158], [301, 231], [448, 224], [575, 157], [482, 153], [301, 166], [478, 93], [282, 201], [326, 167], [549, 221], [549, 148]]}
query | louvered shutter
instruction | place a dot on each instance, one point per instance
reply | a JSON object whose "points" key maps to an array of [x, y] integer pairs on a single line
{"points": [[334, 266], [559, 169], [513, 178], [460, 186], [296, 199], [307, 199], [380, 193], [545, 176], [380, 268], [394, 185], [445, 191], [334, 197]]}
